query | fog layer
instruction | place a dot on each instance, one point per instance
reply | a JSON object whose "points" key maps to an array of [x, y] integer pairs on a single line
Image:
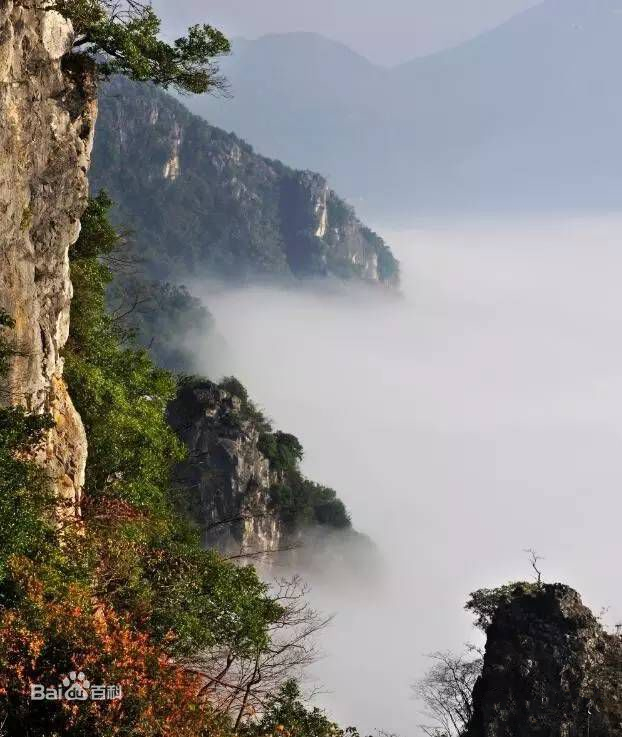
{"points": [[478, 415]]}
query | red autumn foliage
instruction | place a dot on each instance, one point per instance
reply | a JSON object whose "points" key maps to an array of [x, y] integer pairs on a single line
{"points": [[43, 640]]}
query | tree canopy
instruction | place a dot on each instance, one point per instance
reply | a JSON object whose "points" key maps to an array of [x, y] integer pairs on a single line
{"points": [[124, 38], [286, 715], [484, 603]]}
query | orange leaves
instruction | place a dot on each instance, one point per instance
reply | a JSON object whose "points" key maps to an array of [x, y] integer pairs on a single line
{"points": [[46, 639]]}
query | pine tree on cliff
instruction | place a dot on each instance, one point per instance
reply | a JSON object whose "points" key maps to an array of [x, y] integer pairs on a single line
{"points": [[122, 35]]}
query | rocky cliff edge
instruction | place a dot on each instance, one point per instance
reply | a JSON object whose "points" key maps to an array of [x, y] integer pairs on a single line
{"points": [[48, 109]]}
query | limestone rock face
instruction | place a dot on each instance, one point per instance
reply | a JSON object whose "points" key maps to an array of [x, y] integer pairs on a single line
{"points": [[226, 485], [201, 200], [550, 670], [323, 234], [226, 476], [47, 116]]}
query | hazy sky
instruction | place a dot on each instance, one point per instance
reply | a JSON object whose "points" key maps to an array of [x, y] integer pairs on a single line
{"points": [[387, 32]]}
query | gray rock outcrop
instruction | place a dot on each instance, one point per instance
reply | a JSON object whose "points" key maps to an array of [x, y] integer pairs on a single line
{"points": [[226, 479], [550, 669]]}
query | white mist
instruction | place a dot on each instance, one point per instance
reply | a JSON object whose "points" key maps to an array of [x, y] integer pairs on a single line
{"points": [[478, 415]]}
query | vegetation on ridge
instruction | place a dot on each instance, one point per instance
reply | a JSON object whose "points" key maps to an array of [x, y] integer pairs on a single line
{"points": [[296, 500], [126, 594], [202, 202]]}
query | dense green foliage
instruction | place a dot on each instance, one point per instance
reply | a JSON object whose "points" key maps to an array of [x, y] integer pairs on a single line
{"points": [[297, 501], [202, 202], [249, 411], [127, 587], [25, 499], [288, 716], [118, 391], [124, 38], [483, 603], [284, 451], [160, 317], [300, 502], [122, 399]]}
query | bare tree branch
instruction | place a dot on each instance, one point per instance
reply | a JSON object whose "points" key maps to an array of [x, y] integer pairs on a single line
{"points": [[533, 559], [239, 683], [447, 691]]}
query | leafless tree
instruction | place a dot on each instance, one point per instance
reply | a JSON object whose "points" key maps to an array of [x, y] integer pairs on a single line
{"points": [[238, 684], [447, 691], [534, 558]]}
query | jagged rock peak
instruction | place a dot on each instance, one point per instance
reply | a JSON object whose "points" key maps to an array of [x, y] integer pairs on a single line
{"points": [[225, 477], [550, 669]]}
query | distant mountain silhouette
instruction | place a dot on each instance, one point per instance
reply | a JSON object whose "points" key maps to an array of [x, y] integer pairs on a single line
{"points": [[526, 116]]}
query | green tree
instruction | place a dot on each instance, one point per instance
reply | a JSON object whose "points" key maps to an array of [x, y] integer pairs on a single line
{"points": [[234, 386], [123, 37], [300, 502], [165, 318], [284, 451], [484, 603], [249, 411], [287, 715], [151, 567], [26, 501], [120, 394]]}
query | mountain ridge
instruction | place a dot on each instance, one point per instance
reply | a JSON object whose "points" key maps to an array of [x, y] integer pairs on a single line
{"points": [[520, 118], [203, 203]]}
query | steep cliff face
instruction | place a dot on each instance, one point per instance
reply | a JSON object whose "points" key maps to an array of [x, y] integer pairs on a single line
{"points": [[201, 201], [550, 670], [323, 235], [226, 478], [48, 110], [245, 497]]}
